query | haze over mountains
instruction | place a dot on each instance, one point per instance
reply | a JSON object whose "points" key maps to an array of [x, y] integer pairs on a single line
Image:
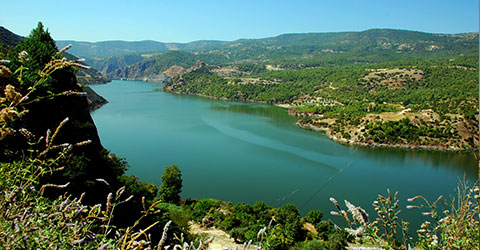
{"points": [[148, 60]]}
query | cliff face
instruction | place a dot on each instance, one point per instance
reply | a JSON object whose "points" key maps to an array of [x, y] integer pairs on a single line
{"points": [[143, 71], [95, 100], [85, 163], [48, 113]]}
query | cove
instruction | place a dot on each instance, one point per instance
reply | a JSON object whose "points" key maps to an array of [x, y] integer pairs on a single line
{"points": [[246, 152]]}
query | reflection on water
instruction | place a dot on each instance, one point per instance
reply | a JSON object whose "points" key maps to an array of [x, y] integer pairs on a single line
{"points": [[459, 162]]}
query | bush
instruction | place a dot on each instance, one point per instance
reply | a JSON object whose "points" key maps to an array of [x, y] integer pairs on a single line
{"points": [[315, 245], [314, 216]]}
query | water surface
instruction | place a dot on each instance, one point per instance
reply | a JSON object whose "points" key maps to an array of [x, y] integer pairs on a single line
{"points": [[245, 152]]}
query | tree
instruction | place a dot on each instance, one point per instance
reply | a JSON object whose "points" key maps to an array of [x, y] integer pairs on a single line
{"points": [[171, 184], [39, 47], [314, 216]]}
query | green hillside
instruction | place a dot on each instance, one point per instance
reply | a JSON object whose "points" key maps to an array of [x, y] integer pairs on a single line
{"points": [[432, 103], [295, 51]]}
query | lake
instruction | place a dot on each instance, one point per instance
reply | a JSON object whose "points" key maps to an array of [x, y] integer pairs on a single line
{"points": [[245, 152]]}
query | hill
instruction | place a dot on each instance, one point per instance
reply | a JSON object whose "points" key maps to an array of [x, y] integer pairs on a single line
{"points": [[115, 48], [8, 39], [430, 104], [156, 67], [296, 51]]}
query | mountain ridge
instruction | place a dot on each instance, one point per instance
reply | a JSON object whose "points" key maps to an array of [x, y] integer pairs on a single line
{"points": [[148, 46], [304, 50]]}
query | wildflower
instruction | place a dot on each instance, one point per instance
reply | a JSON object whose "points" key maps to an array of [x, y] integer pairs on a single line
{"points": [[414, 198], [444, 220], [164, 235], [64, 49], [8, 114], [109, 202], [83, 143], [103, 181], [425, 224], [4, 71], [23, 55], [120, 191], [261, 233], [27, 134], [79, 65], [357, 233], [358, 214], [128, 199], [4, 132], [334, 201], [12, 95], [55, 186]]}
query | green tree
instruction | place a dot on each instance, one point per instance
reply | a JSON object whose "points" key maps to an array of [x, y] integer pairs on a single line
{"points": [[288, 217], [171, 184], [314, 216], [40, 48]]}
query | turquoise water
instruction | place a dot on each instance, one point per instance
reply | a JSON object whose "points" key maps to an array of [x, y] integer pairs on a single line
{"points": [[245, 152]]}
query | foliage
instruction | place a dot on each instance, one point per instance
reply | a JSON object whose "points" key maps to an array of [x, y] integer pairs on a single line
{"points": [[315, 245], [171, 184], [314, 216], [457, 227], [203, 207]]}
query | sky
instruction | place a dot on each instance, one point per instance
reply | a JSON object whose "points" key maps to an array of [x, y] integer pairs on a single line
{"points": [[228, 20]]}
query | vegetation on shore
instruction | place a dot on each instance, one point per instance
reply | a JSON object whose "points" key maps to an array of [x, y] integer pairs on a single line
{"points": [[413, 103]]}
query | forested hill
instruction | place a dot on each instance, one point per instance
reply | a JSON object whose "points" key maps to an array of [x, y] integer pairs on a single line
{"points": [[369, 40], [292, 51], [430, 104], [8, 39]]}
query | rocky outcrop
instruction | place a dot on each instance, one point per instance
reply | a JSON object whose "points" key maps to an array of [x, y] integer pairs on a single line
{"points": [[95, 100], [47, 114], [174, 71], [176, 82]]}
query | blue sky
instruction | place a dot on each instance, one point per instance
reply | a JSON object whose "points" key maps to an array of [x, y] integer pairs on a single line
{"points": [[190, 20]]}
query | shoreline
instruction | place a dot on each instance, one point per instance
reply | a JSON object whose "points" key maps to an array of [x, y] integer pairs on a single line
{"points": [[344, 141], [327, 131]]}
